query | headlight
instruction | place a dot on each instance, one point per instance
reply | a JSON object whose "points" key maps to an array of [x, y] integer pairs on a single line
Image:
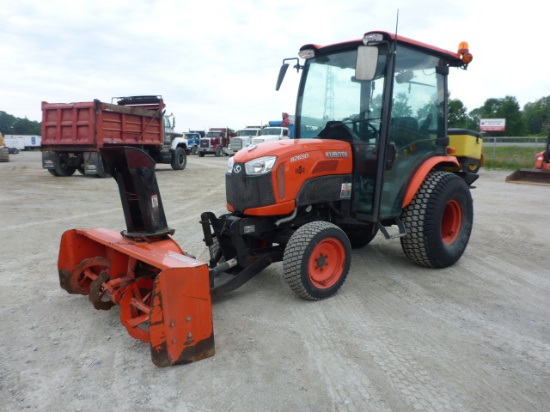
{"points": [[260, 166], [230, 164]]}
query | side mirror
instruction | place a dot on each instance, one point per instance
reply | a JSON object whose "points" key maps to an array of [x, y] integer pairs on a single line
{"points": [[282, 73], [367, 62]]}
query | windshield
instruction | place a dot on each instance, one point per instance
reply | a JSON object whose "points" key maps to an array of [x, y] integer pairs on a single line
{"points": [[332, 93], [213, 134], [247, 132], [271, 131]]}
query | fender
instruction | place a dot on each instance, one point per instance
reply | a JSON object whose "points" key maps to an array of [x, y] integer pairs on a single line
{"points": [[423, 171], [178, 142]]}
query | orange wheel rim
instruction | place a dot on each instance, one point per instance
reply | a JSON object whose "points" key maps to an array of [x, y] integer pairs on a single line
{"points": [[451, 222], [326, 263]]}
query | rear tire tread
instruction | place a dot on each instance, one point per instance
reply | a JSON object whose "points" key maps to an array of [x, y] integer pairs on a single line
{"points": [[423, 243]]}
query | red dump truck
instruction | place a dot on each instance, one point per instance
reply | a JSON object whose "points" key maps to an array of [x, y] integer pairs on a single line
{"points": [[216, 141], [73, 133]]}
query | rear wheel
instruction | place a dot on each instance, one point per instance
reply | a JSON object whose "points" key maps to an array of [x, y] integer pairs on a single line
{"points": [[62, 168], [179, 159], [439, 221], [316, 260]]}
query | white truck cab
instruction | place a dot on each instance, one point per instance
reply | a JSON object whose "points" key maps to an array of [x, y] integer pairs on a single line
{"points": [[272, 133], [243, 139]]}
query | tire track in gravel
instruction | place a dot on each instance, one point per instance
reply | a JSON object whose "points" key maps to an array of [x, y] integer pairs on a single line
{"points": [[439, 294], [395, 367]]}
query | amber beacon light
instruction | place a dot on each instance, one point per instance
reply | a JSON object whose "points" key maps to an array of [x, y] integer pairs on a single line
{"points": [[464, 51]]}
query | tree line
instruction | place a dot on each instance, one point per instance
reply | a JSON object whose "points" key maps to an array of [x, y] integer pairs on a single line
{"points": [[15, 125], [533, 120]]}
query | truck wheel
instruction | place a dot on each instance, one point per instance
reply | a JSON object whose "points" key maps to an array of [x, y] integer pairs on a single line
{"points": [[201, 154], [179, 159], [439, 221], [62, 168], [219, 152], [194, 150], [360, 237], [53, 172], [316, 260]]}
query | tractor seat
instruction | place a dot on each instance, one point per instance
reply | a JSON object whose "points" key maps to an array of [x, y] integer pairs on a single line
{"points": [[404, 130], [337, 131]]}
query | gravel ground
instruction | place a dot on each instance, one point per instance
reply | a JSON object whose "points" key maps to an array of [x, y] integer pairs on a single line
{"points": [[397, 337]]}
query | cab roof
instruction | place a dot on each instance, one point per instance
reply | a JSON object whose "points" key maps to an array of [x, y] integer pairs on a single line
{"points": [[452, 58]]}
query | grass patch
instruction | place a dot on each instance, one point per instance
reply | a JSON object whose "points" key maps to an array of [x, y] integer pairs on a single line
{"points": [[509, 157]]}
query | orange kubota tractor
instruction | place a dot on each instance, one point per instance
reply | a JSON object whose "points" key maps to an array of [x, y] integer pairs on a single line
{"points": [[371, 154]]}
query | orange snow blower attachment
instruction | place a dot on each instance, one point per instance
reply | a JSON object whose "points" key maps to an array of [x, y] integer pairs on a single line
{"points": [[163, 293]]}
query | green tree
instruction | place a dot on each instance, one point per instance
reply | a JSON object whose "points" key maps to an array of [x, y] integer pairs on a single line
{"points": [[401, 106], [458, 115], [537, 116], [504, 108], [6, 123], [14, 125], [26, 126]]}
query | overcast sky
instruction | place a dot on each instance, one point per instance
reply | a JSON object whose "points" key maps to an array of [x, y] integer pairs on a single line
{"points": [[216, 62]]}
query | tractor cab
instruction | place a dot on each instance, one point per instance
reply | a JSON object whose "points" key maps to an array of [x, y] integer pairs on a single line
{"points": [[386, 96]]}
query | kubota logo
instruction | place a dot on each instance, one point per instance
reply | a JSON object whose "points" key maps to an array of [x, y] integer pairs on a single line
{"points": [[336, 154]]}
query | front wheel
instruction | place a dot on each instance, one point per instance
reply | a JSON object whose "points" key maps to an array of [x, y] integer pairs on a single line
{"points": [[316, 260], [194, 150], [439, 221], [219, 152], [179, 159]]}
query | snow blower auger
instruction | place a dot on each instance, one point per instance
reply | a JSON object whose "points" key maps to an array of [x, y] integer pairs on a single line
{"points": [[163, 293]]}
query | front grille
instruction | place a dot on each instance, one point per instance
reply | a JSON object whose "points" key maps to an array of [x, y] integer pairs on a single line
{"points": [[205, 143], [245, 192], [236, 144]]}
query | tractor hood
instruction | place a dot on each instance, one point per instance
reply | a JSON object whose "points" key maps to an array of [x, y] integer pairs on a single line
{"points": [[296, 149]]}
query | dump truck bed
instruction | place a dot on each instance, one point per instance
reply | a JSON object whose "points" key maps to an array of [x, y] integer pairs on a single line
{"points": [[97, 124]]}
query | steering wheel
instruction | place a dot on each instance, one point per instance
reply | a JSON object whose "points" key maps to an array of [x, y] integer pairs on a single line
{"points": [[337, 130], [356, 133]]}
